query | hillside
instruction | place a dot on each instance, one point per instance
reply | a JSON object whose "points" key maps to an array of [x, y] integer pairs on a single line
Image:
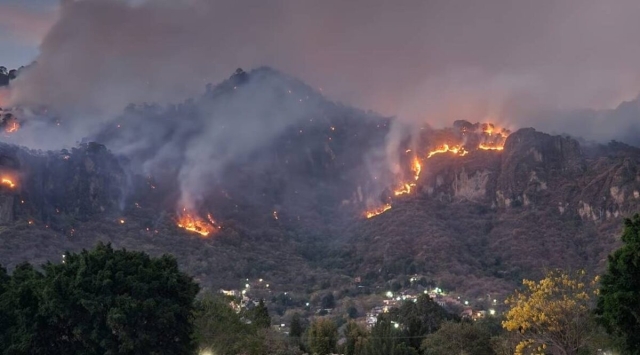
{"points": [[286, 176]]}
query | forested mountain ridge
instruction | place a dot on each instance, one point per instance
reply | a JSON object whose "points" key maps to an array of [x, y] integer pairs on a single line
{"points": [[290, 199]]}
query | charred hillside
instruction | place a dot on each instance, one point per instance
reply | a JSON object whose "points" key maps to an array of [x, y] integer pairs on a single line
{"points": [[277, 180]]}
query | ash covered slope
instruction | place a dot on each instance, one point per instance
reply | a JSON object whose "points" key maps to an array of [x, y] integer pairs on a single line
{"points": [[483, 221]]}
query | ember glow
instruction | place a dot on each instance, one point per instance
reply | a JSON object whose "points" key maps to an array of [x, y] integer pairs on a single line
{"points": [[193, 223], [490, 147], [8, 182], [445, 148], [378, 211], [417, 168], [404, 189], [12, 127]]}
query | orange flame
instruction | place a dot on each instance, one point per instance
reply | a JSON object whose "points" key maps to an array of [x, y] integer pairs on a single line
{"points": [[193, 223], [12, 127], [417, 168], [8, 182], [404, 189], [378, 211], [490, 147], [456, 149]]}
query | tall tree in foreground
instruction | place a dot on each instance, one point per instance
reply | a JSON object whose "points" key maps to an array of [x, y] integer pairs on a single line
{"points": [[619, 300], [553, 314], [323, 336], [102, 301]]}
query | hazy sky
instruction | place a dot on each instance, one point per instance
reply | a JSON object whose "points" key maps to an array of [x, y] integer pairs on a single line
{"points": [[431, 61]]}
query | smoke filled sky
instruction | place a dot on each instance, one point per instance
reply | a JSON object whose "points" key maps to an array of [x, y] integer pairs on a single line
{"points": [[427, 61]]}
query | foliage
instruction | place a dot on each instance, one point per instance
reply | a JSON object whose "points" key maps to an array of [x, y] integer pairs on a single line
{"points": [[322, 336], [219, 328], [554, 313], [418, 319], [102, 301], [458, 338], [619, 300], [296, 328], [259, 315], [387, 339], [355, 339]]}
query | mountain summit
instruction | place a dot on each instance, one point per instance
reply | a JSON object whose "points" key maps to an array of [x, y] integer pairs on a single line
{"points": [[264, 177]]}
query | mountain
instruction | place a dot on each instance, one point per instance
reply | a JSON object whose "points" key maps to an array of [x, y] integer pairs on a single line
{"points": [[274, 180]]}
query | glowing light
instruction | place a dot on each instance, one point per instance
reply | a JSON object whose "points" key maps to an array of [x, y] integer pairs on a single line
{"points": [[275, 215], [122, 221], [8, 182], [377, 211]]}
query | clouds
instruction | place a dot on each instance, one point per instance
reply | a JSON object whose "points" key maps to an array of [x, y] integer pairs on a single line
{"points": [[426, 61]]}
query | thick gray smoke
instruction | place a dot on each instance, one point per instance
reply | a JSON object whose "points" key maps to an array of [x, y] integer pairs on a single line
{"points": [[424, 61], [427, 62]]}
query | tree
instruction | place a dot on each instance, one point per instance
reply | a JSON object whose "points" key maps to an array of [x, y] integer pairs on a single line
{"points": [[260, 315], [554, 313], [18, 308], [102, 301], [619, 300], [323, 336], [356, 339], [387, 339], [218, 328], [328, 301], [296, 329], [417, 319], [458, 338]]}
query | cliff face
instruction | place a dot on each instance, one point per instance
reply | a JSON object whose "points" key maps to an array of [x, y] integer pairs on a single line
{"points": [[486, 219], [536, 170], [53, 186]]}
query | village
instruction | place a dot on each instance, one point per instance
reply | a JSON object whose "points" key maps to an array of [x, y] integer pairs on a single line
{"points": [[364, 308]]}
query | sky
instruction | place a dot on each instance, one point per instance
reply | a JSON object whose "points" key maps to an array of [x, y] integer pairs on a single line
{"points": [[23, 24], [427, 61]]}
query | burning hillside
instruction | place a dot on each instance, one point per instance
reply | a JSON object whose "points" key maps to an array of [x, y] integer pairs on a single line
{"points": [[459, 140], [190, 221]]}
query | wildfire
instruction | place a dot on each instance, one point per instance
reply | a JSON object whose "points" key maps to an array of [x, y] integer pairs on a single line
{"points": [[193, 223], [404, 189], [378, 211], [8, 182], [490, 147], [417, 168], [445, 148], [12, 127]]}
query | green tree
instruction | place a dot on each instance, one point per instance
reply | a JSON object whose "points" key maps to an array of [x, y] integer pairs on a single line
{"points": [[322, 336], [102, 301], [458, 338], [219, 329], [417, 319], [387, 339], [618, 306], [19, 309], [356, 339], [260, 315], [296, 328]]}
